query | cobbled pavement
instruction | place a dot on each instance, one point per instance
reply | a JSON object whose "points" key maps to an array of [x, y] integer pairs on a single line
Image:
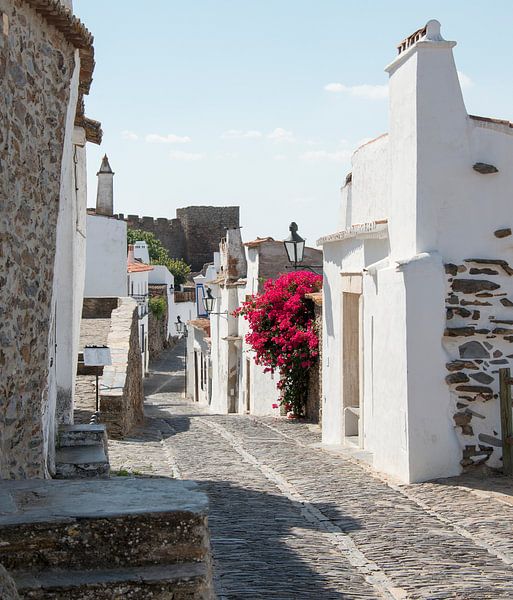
{"points": [[290, 520]]}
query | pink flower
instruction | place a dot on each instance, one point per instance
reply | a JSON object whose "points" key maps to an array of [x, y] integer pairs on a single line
{"points": [[275, 405]]}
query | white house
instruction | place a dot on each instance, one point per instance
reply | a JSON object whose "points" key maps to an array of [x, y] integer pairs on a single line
{"points": [[232, 382], [138, 270], [226, 343], [106, 242], [267, 259], [417, 285], [199, 367]]}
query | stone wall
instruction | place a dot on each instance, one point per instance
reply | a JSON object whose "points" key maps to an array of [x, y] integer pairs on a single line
{"points": [[313, 408], [194, 235], [99, 307], [121, 388], [204, 227], [479, 341], [157, 326], [36, 67]]}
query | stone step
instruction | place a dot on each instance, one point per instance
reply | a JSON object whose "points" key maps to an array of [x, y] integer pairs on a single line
{"points": [[180, 582], [81, 462], [82, 435], [96, 524]]}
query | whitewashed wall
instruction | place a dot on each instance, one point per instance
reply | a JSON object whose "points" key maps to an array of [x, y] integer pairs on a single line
{"points": [[138, 287], [105, 257], [198, 348], [62, 331], [226, 353], [439, 211]]}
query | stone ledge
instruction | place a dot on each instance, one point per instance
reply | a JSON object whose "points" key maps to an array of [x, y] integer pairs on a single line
{"points": [[183, 581], [121, 392]]}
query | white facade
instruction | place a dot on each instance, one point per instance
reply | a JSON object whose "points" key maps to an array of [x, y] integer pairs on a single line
{"points": [[238, 384], [393, 313], [226, 340], [199, 368], [68, 280], [106, 242], [106, 257]]}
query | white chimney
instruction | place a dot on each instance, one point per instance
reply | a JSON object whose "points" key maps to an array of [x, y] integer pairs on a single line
{"points": [[105, 195], [427, 121], [141, 252]]}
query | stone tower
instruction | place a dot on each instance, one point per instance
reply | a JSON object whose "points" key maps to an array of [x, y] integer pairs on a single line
{"points": [[105, 195]]}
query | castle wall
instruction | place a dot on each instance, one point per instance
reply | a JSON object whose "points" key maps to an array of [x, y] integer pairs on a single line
{"points": [[194, 234], [204, 227]]}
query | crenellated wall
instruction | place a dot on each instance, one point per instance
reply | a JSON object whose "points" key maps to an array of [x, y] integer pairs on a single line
{"points": [[194, 234]]}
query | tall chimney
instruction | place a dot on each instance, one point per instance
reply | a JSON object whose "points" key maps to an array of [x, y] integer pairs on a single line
{"points": [[428, 127], [105, 195]]}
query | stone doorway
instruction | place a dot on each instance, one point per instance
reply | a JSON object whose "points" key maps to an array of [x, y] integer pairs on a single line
{"points": [[351, 358]]}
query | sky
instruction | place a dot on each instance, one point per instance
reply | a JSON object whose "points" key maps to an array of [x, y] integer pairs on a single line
{"points": [[260, 103]]}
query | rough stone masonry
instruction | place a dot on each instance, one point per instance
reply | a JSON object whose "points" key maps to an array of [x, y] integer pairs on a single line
{"points": [[36, 67]]}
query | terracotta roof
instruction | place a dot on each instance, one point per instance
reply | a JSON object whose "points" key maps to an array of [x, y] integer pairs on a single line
{"points": [[259, 241], [93, 129], [203, 324], [137, 267], [74, 32], [412, 39]]}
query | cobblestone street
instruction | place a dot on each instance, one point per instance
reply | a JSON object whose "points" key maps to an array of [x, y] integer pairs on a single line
{"points": [[291, 520]]}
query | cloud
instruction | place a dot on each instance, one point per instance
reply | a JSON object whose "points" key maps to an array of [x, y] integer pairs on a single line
{"points": [[465, 80], [281, 135], [187, 156], [129, 135], [170, 138], [367, 91], [237, 134], [325, 156], [279, 157]]}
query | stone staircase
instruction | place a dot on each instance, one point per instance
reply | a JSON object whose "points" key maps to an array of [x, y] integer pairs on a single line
{"points": [[110, 539], [82, 452]]}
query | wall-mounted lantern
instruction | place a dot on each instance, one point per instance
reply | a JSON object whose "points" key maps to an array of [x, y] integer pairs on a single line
{"points": [[181, 327], [295, 248], [209, 302]]}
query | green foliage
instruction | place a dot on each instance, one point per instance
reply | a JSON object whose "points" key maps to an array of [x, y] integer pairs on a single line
{"points": [[157, 306], [159, 255]]}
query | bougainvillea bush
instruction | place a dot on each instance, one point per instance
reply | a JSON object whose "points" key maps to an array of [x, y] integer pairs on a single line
{"points": [[282, 333]]}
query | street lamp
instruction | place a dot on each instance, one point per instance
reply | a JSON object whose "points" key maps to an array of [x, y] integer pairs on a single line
{"points": [[181, 327], [294, 245], [209, 301], [295, 248]]}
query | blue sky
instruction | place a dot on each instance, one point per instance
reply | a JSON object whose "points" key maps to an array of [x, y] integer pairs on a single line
{"points": [[224, 102]]}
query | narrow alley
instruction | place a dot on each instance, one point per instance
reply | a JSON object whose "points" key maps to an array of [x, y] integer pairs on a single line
{"points": [[291, 520]]}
